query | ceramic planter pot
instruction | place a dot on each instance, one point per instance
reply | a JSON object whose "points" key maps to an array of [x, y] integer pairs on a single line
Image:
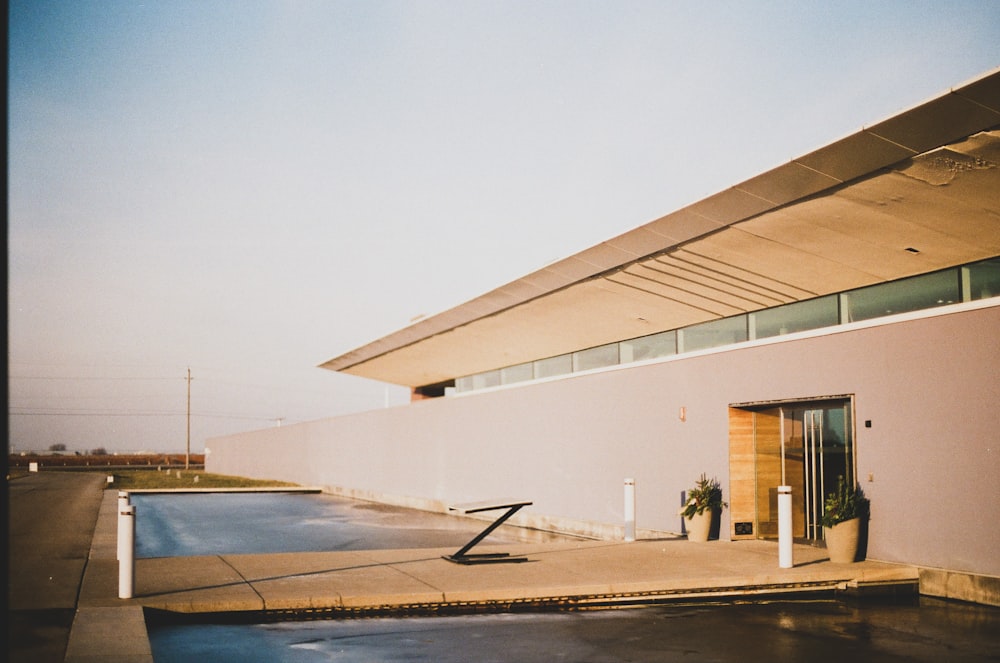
{"points": [[699, 525], [842, 541]]}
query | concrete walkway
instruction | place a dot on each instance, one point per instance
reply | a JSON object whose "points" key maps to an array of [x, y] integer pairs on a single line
{"points": [[573, 574], [557, 575]]}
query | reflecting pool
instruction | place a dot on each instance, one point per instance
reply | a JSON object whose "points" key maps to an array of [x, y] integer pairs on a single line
{"points": [[186, 524], [925, 630]]}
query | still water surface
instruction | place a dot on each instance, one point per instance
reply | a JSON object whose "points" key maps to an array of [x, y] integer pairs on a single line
{"points": [[180, 525], [932, 631]]}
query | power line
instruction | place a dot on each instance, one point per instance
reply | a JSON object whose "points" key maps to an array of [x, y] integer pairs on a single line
{"points": [[187, 458], [86, 413], [89, 379], [95, 414]]}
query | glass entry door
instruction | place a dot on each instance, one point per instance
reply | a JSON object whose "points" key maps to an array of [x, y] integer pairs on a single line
{"points": [[827, 453], [806, 446]]}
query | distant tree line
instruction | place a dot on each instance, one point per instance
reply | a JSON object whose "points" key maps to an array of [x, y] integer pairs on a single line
{"points": [[99, 451]]}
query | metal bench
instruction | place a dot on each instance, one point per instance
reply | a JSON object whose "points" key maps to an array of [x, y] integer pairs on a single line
{"points": [[462, 556]]}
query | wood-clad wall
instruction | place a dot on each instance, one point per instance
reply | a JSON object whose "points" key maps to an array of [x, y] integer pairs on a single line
{"points": [[768, 465], [742, 498]]}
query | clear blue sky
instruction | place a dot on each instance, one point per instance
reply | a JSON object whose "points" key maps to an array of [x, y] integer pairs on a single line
{"points": [[251, 188]]}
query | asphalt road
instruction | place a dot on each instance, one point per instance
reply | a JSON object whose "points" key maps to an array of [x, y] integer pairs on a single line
{"points": [[52, 516]]}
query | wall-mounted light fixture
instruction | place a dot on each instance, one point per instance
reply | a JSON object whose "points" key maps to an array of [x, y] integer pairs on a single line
{"points": [[682, 414]]}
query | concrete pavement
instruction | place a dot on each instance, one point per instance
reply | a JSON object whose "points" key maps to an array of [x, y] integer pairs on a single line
{"points": [[419, 581], [579, 574]]}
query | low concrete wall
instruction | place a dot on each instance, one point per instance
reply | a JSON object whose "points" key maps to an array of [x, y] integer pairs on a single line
{"points": [[960, 586], [927, 386]]}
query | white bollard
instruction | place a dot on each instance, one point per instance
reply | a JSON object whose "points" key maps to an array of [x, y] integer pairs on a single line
{"points": [[630, 509], [123, 502], [785, 527], [126, 547]]}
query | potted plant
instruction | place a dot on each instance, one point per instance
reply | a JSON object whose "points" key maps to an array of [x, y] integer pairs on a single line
{"points": [[704, 503], [842, 514]]}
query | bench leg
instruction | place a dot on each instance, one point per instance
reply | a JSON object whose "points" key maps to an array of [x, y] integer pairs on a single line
{"points": [[462, 557]]}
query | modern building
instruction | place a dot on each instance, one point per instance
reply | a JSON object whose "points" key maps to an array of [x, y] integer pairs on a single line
{"points": [[836, 316]]}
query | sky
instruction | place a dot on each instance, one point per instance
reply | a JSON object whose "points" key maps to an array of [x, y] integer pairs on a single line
{"points": [[247, 189]]}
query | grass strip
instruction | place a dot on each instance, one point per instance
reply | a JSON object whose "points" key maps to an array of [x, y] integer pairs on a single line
{"points": [[154, 479]]}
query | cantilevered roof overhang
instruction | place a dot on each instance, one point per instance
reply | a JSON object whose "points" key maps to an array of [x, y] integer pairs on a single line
{"points": [[847, 215]]}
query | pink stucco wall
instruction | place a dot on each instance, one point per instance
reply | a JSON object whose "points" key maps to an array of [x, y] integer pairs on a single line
{"points": [[929, 386]]}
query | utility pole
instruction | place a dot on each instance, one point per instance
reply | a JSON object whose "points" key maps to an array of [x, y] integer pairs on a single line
{"points": [[187, 456]]}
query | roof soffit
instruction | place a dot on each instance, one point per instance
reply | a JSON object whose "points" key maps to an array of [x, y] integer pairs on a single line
{"points": [[788, 234], [787, 183], [681, 226], [938, 122], [855, 156]]}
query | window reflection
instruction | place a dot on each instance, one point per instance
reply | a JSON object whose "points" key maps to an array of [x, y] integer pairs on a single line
{"points": [[913, 294], [972, 282], [791, 318], [599, 357], [546, 368], [519, 373], [983, 279], [663, 344], [713, 334]]}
